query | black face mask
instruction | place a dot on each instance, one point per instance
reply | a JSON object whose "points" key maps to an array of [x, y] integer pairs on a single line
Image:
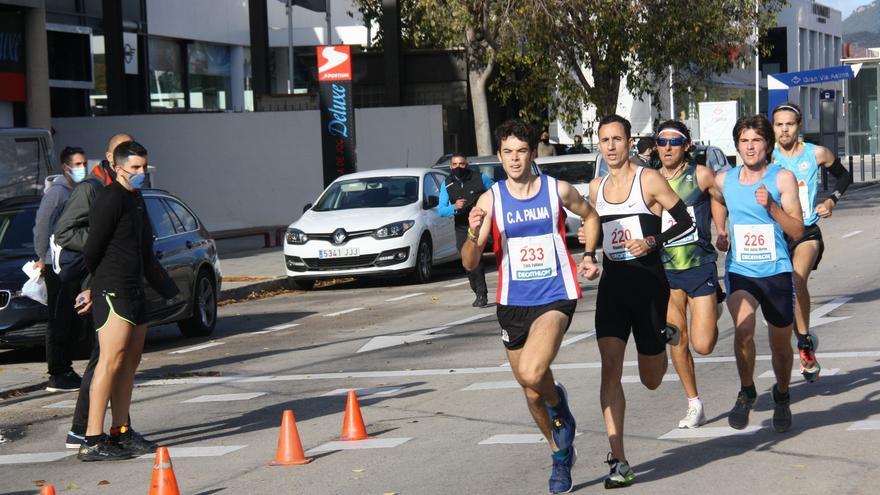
{"points": [[460, 173]]}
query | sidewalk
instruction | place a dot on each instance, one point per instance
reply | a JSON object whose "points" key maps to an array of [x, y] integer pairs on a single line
{"points": [[244, 272]]}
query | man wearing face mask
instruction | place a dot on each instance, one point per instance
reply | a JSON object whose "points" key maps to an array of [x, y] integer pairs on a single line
{"points": [[62, 318], [457, 197], [544, 146]]}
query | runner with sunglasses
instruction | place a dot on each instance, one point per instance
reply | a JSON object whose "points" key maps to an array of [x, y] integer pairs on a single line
{"points": [[689, 260], [805, 161]]}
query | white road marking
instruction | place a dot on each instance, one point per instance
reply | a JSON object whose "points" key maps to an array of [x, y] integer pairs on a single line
{"points": [[65, 404], [492, 385], [577, 338], [708, 432], [196, 347], [637, 379], [457, 283], [363, 392], [344, 312], [851, 234], [223, 397], [184, 452], [34, 458], [469, 371], [401, 298], [868, 424], [275, 328], [818, 318], [195, 380], [371, 443], [385, 341], [513, 439], [797, 371]]}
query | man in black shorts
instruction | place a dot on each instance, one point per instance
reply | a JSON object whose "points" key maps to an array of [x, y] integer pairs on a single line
{"points": [[537, 281], [633, 291]]}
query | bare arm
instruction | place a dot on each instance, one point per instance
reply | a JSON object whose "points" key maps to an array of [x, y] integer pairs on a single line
{"points": [[788, 214], [708, 183], [472, 249]]}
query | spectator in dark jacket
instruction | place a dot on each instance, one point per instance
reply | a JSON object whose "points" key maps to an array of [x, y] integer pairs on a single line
{"points": [[63, 323]]}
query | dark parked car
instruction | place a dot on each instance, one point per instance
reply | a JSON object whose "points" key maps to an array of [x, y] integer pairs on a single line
{"points": [[182, 245], [710, 156]]}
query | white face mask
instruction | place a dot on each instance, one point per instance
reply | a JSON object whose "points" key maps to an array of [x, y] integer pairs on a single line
{"points": [[77, 174]]}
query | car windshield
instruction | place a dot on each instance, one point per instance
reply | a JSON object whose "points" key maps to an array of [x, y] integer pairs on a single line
{"points": [[369, 192], [572, 172], [17, 232]]}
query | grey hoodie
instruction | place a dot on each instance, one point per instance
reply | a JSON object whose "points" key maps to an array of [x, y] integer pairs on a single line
{"points": [[55, 195]]}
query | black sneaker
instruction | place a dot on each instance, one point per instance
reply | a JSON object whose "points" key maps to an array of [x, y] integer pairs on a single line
{"points": [[781, 411], [481, 301], [104, 450], [134, 443], [67, 382], [74, 441]]}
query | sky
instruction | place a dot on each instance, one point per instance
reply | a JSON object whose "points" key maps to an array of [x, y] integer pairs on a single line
{"points": [[845, 6]]}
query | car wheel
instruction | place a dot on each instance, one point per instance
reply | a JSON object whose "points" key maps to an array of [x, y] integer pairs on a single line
{"points": [[424, 262], [304, 284], [204, 315]]}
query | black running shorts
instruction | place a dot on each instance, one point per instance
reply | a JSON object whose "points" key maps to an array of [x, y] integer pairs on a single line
{"points": [[132, 310], [516, 321], [633, 299], [697, 281], [811, 233], [775, 295]]}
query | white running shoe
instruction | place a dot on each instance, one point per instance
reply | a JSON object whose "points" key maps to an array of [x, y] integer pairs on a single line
{"points": [[694, 417]]}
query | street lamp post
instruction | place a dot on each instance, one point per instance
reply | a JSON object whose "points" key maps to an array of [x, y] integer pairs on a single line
{"points": [[289, 7]]}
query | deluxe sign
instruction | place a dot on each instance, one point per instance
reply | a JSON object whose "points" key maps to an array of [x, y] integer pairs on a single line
{"points": [[337, 111]]}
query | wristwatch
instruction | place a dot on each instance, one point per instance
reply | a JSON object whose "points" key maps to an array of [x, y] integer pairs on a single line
{"points": [[651, 242], [591, 255]]}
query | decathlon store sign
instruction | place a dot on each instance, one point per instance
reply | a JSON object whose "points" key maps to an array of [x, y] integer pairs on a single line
{"points": [[337, 111]]}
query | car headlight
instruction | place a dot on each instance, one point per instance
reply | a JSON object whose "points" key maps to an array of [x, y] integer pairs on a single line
{"points": [[395, 229], [296, 236]]}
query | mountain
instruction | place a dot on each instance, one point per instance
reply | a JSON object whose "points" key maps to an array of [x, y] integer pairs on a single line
{"points": [[863, 26]]}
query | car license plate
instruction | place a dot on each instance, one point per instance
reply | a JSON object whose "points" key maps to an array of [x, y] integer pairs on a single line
{"points": [[338, 253]]}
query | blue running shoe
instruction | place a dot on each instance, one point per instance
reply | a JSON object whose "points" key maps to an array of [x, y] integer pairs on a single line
{"points": [[560, 477], [562, 421]]}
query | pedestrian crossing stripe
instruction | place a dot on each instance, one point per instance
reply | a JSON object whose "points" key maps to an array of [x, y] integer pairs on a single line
{"points": [[505, 384], [868, 424], [205, 451], [370, 443], [638, 379], [34, 457], [363, 391], [223, 397], [707, 432], [65, 404], [517, 438], [825, 372]]}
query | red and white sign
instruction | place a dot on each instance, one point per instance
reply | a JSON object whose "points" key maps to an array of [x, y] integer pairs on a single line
{"points": [[334, 63]]}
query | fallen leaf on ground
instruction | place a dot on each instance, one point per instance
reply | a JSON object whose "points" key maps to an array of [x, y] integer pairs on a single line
{"points": [[103, 482]]}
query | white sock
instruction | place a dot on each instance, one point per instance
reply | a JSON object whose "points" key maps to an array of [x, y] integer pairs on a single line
{"points": [[695, 402]]}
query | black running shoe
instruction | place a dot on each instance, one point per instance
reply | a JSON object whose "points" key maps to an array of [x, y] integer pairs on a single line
{"points": [[104, 450], [134, 443], [66, 382], [481, 301], [781, 411]]}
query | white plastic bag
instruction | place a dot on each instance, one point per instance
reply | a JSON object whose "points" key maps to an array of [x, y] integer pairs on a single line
{"points": [[35, 287]]}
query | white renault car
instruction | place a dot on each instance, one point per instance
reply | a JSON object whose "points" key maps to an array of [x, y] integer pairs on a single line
{"points": [[376, 223]]}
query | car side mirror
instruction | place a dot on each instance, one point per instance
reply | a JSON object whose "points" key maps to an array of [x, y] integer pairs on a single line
{"points": [[307, 207], [432, 202]]}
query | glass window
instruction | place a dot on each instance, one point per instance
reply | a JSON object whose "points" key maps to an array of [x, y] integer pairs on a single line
{"points": [[580, 172], [431, 187], [166, 76], [187, 220], [369, 192], [802, 50], [209, 76], [17, 232], [159, 218]]}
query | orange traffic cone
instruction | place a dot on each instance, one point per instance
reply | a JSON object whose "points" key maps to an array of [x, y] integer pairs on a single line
{"points": [[290, 450], [353, 424], [164, 482], [47, 490]]}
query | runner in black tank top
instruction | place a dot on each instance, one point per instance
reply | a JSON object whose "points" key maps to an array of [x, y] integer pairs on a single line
{"points": [[633, 290]]}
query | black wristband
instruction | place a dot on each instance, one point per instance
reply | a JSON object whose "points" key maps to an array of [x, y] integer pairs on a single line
{"points": [[592, 255]]}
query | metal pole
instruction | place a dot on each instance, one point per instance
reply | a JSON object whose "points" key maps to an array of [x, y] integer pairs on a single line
{"points": [[289, 7], [757, 63], [329, 36]]}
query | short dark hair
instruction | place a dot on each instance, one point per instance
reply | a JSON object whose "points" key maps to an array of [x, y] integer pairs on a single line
{"points": [[518, 129], [455, 154], [645, 144], [759, 124], [614, 118], [127, 149], [789, 107], [68, 152]]}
